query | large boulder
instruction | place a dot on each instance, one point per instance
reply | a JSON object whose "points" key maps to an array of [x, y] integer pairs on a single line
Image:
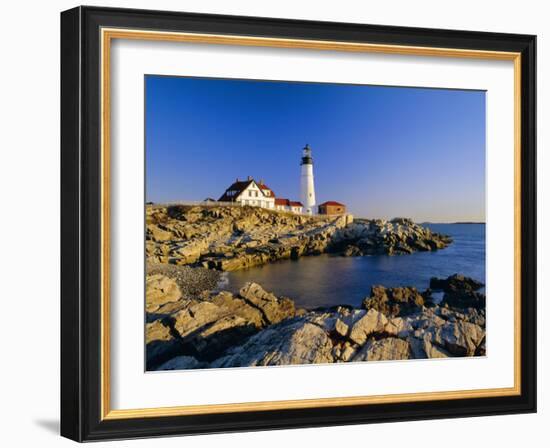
{"points": [[206, 327], [295, 341], [455, 282], [464, 299], [386, 349], [422, 347], [459, 338], [160, 290], [240, 307], [460, 291], [158, 233], [393, 301], [206, 330], [273, 309], [398, 326], [161, 345], [372, 322]]}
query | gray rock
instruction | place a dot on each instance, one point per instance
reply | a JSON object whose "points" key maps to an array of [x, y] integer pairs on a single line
{"points": [[459, 338], [398, 326], [386, 349], [394, 301], [273, 309], [294, 341], [422, 347], [161, 345], [341, 328], [371, 322], [181, 363], [160, 290], [232, 238], [207, 330], [240, 307]]}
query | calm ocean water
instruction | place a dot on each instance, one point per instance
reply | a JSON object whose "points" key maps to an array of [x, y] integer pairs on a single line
{"points": [[327, 280]]}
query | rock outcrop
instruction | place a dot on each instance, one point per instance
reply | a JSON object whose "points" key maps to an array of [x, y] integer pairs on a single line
{"points": [[160, 290], [387, 349], [460, 291], [294, 342], [257, 328], [228, 238], [380, 237], [393, 301], [204, 328]]}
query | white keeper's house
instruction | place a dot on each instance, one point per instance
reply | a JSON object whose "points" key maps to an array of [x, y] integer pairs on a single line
{"points": [[258, 194]]}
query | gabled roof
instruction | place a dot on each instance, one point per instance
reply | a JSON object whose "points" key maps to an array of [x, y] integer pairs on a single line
{"points": [[332, 203], [264, 187], [296, 204], [238, 187]]}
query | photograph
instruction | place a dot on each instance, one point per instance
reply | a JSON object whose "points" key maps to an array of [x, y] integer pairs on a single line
{"points": [[291, 223]]}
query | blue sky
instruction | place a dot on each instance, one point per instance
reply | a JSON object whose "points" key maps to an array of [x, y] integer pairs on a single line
{"points": [[383, 151]]}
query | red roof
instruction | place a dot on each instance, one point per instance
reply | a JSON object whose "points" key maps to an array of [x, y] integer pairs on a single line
{"points": [[265, 187], [287, 203], [332, 203]]}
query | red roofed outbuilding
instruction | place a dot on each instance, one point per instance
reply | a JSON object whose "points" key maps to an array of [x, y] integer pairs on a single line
{"points": [[332, 208], [289, 206]]}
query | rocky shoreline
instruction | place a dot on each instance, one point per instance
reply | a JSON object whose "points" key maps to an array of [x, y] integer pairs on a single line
{"points": [[229, 238], [255, 327], [189, 324]]}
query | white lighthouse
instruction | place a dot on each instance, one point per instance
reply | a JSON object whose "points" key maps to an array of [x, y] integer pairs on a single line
{"points": [[307, 186]]}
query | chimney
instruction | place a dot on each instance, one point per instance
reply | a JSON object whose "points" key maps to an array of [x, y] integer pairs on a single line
{"points": [[249, 177], [261, 181]]}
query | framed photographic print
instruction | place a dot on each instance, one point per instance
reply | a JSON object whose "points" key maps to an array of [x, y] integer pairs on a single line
{"points": [[274, 223]]}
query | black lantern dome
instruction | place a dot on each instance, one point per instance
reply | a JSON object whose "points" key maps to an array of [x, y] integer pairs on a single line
{"points": [[306, 156]]}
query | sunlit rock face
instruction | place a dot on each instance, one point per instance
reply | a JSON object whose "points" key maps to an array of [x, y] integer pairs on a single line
{"points": [[256, 328], [230, 238]]}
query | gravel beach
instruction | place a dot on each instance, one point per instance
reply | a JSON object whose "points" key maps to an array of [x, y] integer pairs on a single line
{"points": [[191, 281]]}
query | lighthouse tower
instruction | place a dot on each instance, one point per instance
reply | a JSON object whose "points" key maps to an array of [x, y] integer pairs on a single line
{"points": [[307, 187]]}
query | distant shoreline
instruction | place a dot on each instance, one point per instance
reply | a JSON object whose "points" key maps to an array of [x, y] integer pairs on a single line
{"points": [[457, 222]]}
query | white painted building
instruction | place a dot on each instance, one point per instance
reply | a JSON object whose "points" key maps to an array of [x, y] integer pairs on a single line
{"points": [[288, 206], [249, 192], [307, 185]]}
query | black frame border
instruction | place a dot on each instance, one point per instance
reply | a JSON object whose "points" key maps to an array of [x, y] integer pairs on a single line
{"points": [[81, 223]]}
